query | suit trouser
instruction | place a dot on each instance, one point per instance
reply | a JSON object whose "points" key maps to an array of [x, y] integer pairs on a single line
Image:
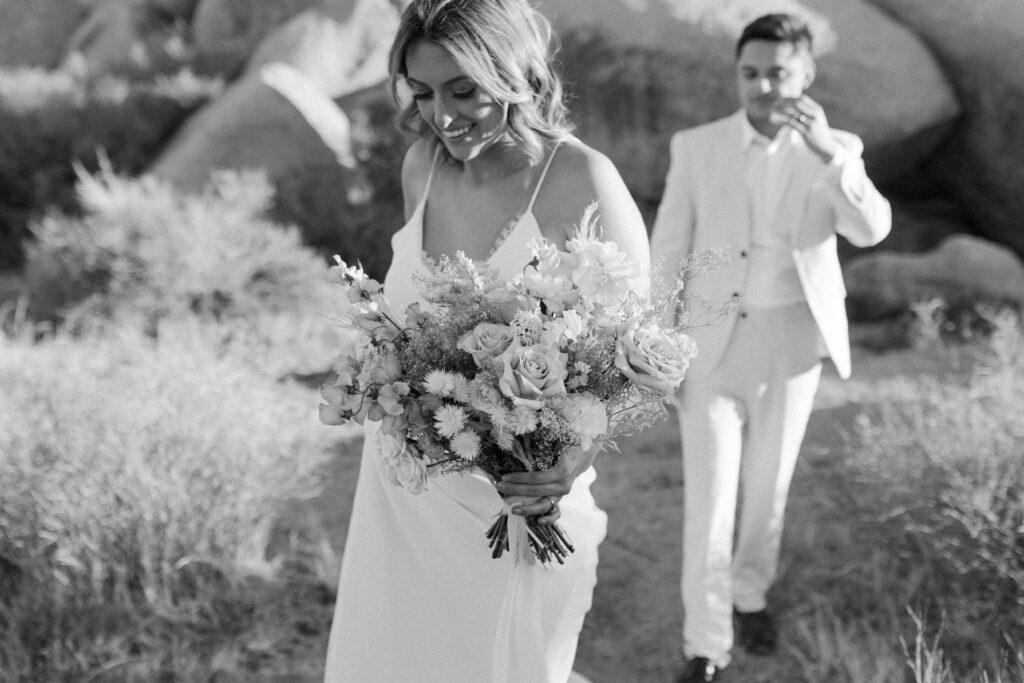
{"points": [[741, 427]]}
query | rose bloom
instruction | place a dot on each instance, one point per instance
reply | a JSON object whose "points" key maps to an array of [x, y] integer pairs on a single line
{"points": [[401, 464], [655, 359], [532, 373], [486, 341]]}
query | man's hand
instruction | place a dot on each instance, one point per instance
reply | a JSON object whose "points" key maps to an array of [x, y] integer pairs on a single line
{"points": [[807, 117]]}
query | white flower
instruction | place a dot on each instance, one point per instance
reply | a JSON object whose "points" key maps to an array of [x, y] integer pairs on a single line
{"points": [[603, 274], [449, 420], [462, 392], [439, 383], [526, 328], [503, 438], [401, 464], [549, 276], [559, 331], [391, 397], [522, 420], [588, 415], [483, 395], [466, 445], [573, 324]]}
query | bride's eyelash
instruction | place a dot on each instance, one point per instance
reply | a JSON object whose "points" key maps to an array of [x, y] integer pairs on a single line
{"points": [[457, 94]]}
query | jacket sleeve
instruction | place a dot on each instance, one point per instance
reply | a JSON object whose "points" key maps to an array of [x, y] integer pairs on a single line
{"points": [[863, 215], [672, 235]]}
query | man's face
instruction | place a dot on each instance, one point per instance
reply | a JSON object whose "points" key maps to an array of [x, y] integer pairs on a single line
{"points": [[768, 72]]}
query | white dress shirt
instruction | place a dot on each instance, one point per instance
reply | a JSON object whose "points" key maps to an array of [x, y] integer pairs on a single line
{"points": [[773, 280]]}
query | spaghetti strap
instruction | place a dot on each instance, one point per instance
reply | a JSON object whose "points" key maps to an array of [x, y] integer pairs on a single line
{"points": [[540, 181], [430, 176]]}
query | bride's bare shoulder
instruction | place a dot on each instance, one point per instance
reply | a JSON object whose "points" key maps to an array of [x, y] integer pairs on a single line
{"points": [[580, 171], [579, 176]]}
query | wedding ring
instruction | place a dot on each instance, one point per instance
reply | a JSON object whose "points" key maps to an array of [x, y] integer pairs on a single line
{"points": [[802, 118], [554, 506]]}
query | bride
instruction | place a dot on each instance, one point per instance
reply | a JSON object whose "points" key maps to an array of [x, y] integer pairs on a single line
{"points": [[494, 165]]}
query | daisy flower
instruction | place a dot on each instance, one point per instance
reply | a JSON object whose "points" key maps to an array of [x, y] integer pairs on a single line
{"points": [[503, 438], [523, 420], [466, 445], [440, 383], [449, 420]]}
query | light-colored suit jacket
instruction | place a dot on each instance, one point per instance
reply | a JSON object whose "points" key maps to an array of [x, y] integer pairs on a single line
{"points": [[705, 205]]}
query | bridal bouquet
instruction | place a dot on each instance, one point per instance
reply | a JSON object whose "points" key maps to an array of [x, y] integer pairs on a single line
{"points": [[504, 376]]}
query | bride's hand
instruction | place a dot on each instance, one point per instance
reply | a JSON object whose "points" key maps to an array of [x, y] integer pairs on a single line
{"points": [[546, 487]]}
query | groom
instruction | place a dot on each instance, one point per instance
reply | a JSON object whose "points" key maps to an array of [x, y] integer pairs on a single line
{"points": [[775, 184]]}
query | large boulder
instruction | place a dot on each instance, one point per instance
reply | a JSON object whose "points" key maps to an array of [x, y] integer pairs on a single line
{"points": [[962, 270], [274, 119], [641, 69], [35, 32], [173, 9], [981, 44], [120, 34], [340, 45], [225, 32]]}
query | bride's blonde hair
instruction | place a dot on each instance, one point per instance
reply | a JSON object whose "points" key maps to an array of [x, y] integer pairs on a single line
{"points": [[505, 47]]}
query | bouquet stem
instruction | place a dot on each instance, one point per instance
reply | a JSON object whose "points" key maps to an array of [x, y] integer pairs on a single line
{"points": [[543, 542]]}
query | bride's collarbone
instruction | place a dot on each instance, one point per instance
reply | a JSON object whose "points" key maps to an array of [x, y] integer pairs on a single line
{"points": [[471, 221]]}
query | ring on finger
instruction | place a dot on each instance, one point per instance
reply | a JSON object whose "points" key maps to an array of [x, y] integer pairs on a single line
{"points": [[554, 505], [802, 118]]}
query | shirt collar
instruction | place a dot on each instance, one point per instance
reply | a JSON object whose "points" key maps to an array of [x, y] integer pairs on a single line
{"points": [[750, 135]]}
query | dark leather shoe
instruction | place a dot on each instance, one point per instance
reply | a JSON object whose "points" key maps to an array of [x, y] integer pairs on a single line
{"points": [[699, 670], [756, 632]]}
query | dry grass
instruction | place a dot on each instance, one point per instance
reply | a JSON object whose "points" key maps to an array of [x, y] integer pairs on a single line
{"points": [[143, 479], [180, 516]]}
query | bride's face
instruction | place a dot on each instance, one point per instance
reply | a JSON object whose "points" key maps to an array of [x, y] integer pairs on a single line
{"points": [[464, 117]]}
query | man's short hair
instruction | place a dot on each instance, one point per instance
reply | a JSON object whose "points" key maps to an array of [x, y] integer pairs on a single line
{"points": [[777, 28]]}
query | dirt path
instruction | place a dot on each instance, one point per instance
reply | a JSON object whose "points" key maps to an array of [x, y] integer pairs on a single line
{"points": [[633, 632]]}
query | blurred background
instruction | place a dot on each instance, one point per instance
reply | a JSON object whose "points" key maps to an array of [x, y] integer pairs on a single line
{"points": [[174, 177]]}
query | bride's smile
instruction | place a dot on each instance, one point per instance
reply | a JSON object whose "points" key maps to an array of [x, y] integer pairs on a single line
{"points": [[466, 119]]}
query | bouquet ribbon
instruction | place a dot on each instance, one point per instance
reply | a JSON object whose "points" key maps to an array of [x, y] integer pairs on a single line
{"points": [[518, 534]]}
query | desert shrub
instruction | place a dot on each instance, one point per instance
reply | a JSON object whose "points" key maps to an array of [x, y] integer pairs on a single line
{"points": [[48, 120], [141, 478], [146, 252], [351, 212], [941, 475]]}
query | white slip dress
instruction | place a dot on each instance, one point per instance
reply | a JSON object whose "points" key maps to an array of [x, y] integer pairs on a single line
{"points": [[420, 599]]}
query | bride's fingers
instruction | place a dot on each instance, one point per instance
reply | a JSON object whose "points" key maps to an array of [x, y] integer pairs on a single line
{"points": [[533, 489], [545, 508], [536, 477], [551, 517]]}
